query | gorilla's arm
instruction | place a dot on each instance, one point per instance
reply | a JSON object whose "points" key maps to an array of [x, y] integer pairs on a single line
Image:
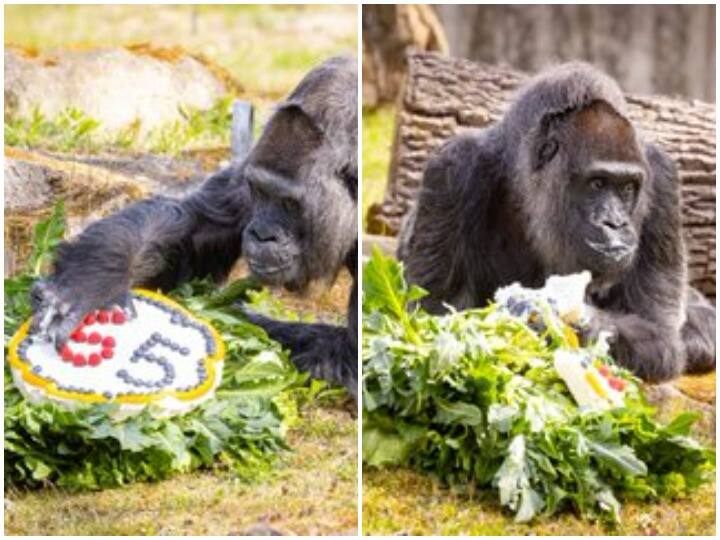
{"points": [[155, 243], [328, 352], [443, 251]]}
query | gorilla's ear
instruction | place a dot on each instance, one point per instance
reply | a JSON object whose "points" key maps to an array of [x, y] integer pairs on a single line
{"points": [[288, 140]]}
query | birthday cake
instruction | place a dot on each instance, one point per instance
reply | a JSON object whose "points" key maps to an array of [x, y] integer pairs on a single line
{"points": [[162, 357]]}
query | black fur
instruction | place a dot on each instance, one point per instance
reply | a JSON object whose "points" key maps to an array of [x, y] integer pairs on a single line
{"points": [[290, 208], [523, 199]]}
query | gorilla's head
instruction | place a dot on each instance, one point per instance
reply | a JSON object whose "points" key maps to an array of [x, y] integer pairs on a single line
{"points": [[583, 181], [302, 175]]}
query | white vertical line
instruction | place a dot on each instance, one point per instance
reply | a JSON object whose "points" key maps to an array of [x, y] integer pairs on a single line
{"points": [[359, 263]]}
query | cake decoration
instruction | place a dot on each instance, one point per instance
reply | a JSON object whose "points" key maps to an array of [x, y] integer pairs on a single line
{"points": [[561, 303], [162, 356], [593, 384]]}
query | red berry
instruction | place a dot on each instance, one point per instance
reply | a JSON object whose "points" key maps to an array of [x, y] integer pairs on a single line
{"points": [[94, 359], [79, 360], [89, 319], [604, 370], [67, 353], [616, 384], [79, 336], [103, 317], [94, 337], [107, 353], [108, 342], [118, 317]]}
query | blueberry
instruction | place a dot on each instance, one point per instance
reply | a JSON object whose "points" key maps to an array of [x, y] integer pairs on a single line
{"points": [[107, 395], [37, 369], [184, 351]]}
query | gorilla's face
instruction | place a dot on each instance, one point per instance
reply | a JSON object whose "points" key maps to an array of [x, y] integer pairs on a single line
{"points": [[272, 239], [591, 163], [603, 199], [303, 217]]}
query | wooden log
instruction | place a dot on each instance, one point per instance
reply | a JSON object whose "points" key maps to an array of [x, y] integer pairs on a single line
{"points": [[444, 96]]}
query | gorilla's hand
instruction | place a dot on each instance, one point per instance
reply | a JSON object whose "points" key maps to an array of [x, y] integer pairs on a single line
{"points": [[59, 309], [327, 352], [596, 322]]}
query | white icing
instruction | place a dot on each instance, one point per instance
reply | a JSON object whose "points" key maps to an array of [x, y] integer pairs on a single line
{"points": [[129, 336], [567, 293]]}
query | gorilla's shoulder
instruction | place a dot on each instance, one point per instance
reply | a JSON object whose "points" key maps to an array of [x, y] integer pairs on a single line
{"points": [[466, 158]]}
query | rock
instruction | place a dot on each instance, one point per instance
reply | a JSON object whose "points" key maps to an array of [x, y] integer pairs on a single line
{"points": [[115, 85], [694, 393], [262, 529], [91, 187]]}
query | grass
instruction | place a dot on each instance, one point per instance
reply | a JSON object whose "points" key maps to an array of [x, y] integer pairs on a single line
{"points": [[407, 503], [74, 131], [377, 137], [313, 491]]}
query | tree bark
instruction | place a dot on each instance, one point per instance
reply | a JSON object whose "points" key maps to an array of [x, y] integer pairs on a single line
{"points": [[444, 96], [389, 32]]}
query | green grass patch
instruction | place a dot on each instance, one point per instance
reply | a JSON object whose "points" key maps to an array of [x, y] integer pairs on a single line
{"points": [[74, 131]]}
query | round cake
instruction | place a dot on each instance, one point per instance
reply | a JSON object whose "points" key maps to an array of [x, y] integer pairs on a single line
{"points": [[162, 357]]}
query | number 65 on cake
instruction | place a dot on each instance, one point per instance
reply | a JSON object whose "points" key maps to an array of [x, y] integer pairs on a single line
{"points": [[163, 357]]}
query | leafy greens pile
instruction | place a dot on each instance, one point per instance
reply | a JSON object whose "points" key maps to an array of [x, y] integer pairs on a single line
{"points": [[241, 429], [473, 398]]}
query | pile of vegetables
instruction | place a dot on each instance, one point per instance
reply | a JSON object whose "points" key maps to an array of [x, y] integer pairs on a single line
{"points": [[473, 398], [241, 429]]}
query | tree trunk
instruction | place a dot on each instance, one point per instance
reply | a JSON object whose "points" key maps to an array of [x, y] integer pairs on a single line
{"points": [[443, 96], [389, 32]]}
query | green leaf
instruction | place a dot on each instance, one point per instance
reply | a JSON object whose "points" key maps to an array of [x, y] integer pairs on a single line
{"points": [[47, 234], [385, 290], [621, 457]]}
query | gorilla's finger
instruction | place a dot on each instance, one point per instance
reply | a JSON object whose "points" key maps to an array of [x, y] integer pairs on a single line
{"points": [[62, 327]]}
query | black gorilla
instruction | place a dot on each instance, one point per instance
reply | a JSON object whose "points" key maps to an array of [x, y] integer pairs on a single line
{"points": [[289, 208], [564, 183]]}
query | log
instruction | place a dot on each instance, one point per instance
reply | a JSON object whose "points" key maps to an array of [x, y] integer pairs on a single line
{"points": [[389, 32], [444, 96]]}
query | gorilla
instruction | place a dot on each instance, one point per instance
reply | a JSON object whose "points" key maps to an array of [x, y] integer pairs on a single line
{"points": [[290, 208], [565, 183]]}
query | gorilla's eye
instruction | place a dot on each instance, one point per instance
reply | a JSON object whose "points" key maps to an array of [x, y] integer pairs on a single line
{"points": [[289, 205], [547, 151], [628, 190], [597, 184]]}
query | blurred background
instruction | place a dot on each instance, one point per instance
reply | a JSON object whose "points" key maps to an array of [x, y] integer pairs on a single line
{"points": [[649, 49]]}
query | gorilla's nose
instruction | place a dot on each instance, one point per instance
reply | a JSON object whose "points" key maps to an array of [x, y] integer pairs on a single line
{"points": [[263, 233], [614, 224]]}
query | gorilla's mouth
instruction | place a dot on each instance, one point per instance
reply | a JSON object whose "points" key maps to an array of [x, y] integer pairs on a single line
{"points": [[263, 269], [616, 251]]}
